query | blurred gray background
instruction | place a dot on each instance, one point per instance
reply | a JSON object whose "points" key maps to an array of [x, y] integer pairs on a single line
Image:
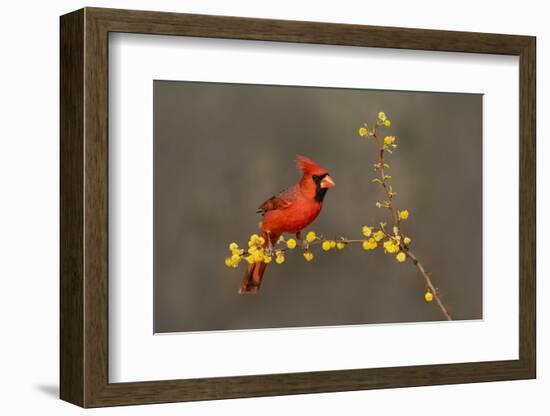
{"points": [[222, 149]]}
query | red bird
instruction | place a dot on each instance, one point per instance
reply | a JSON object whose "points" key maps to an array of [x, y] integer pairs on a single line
{"points": [[290, 211]]}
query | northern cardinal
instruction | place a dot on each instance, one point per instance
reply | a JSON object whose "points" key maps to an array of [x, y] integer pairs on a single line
{"points": [[290, 211]]}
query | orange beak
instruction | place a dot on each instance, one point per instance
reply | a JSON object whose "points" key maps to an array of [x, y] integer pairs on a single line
{"points": [[327, 182]]}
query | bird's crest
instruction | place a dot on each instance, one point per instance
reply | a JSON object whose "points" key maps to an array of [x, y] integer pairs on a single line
{"points": [[306, 165]]}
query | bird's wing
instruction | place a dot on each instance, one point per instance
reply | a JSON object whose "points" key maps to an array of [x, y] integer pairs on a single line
{"points": [[282, 200]]}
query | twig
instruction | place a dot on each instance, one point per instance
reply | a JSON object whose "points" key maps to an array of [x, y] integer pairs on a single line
{"points": [[429, 284]]}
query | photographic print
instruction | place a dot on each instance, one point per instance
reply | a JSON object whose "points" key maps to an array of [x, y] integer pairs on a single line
{"points": [[293, 206]]}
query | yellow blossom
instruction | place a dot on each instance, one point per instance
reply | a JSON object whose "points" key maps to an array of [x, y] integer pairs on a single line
{"points": [[407, 241], [390, 246], [387, 123], [340, 245], [291, 243], [237, 251], [403, 215], [311, 236], [332, 243], [401, 257], [253, 240], [428, 296], [381, 116], [228, 262], [363, 132], [308, 255], [267, 259], [367, 231], [250, 259], [326, 245], [233, 246], [235, 258], [370, 244], [379, 235], [279, 256], [389, 139], [259, 255]]}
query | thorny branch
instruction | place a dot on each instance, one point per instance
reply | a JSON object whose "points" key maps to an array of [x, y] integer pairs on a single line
{"points": [[397, 223]]}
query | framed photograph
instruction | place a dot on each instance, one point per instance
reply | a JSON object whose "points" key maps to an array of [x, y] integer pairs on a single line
{"points": [[255, 207]]}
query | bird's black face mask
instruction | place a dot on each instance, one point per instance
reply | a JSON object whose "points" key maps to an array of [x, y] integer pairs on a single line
{"points": [[319, 191]]}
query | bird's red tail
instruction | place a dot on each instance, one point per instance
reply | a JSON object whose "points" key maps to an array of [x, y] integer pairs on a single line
{"points": [[252, 278]]}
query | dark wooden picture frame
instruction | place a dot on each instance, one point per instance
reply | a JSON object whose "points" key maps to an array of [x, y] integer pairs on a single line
{"points": [[84, 207]]}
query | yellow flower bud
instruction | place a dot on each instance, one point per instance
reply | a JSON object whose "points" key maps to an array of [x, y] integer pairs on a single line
{"points": [[369, 244], [235, 258], [259, 255], [403, 215], [308, 255], [389, 139], [291, 243], [233, 246], [279, 259], [381, 116], [401, 257], [363, 132], [332, 243], [387, 123], [228, 262], [379, 235], [390, 246], [340, 245], [407, 241], [326, 245], [367, 231], [250, 259], [428, 296], [311, 236], [267, 259]]}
